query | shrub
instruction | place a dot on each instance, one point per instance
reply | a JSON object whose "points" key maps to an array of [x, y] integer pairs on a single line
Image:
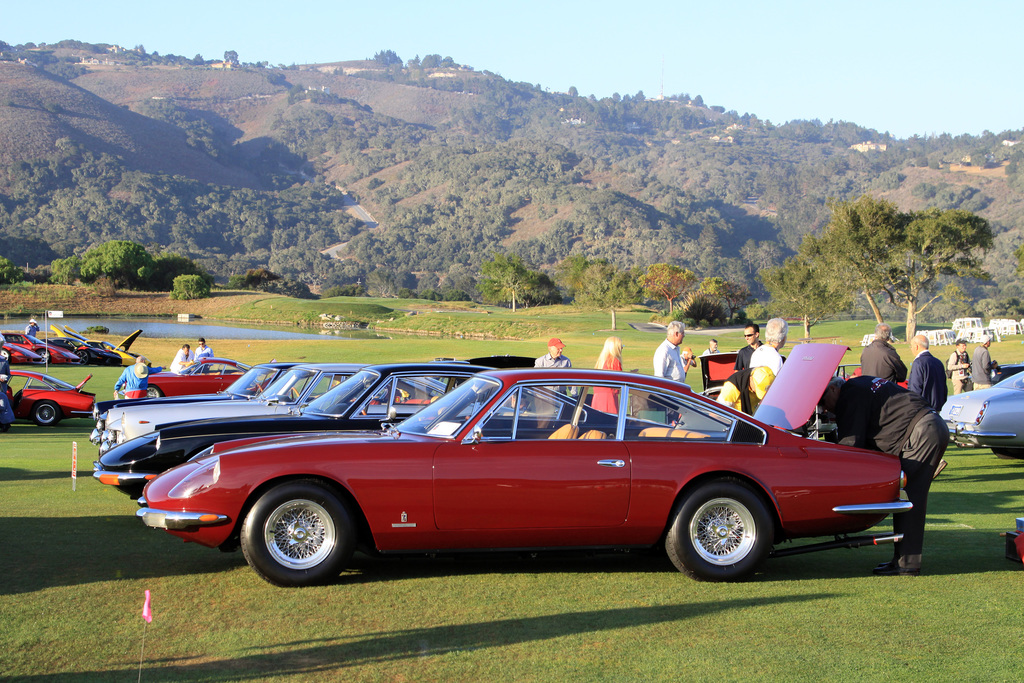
{"points": [[701, 308], [104, 286], [188, 287]]}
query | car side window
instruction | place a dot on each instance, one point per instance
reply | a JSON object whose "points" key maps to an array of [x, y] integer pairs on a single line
{"points": [[652, 415], [536, 412], [323, 385]]}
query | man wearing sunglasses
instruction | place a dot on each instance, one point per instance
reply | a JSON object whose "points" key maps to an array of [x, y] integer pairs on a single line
{"points": [[752, 335]]}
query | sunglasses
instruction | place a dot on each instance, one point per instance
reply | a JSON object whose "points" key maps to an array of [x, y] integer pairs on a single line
{"points": [[748, 335]]}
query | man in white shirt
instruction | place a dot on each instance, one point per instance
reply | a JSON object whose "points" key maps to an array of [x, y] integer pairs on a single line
{"points": [[667, 361], [767, 355], [712, 348]]}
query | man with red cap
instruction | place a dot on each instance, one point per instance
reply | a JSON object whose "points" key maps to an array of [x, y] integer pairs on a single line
{"points": [[554, 357]]}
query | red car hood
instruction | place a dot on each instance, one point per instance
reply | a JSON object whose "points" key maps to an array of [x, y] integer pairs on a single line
{"points": [[791, 399]]}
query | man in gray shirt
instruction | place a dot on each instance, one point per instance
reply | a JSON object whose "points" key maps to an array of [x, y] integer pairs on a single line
{"points": [[982, 364], [554, 357]]}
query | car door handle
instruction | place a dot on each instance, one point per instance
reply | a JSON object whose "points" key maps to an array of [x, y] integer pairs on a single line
{"points": [[612, 463]]}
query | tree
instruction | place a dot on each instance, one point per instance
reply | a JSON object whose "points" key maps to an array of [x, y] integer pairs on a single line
{"points": [[231, 57], [934, 243], [870, 244], [666, 281], [190, 287], [571, 273], [126, 263], [801, 288], [606, 286], [857, 241], [387, 58], [65, 271], [504, 279], [10, 274], [1019, 253]]}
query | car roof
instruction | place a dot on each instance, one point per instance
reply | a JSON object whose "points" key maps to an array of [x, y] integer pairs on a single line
{"points": [[331, 367]]}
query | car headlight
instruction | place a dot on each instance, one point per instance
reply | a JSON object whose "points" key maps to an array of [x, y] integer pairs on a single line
{"points": [[198, 481]]}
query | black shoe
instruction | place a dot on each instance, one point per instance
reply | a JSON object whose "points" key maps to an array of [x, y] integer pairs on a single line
{"points": [[5, 428], [895, 570], [885, 565]]}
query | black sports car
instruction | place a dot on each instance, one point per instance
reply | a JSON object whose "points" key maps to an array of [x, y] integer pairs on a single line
{"points": [[374, 395]]}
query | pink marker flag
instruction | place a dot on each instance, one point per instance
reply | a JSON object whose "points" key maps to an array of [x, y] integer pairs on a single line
{"points": [[147, 611]]}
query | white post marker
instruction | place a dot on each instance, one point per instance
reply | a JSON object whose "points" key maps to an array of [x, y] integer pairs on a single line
{"points": [[46, 329], [74, 465]]}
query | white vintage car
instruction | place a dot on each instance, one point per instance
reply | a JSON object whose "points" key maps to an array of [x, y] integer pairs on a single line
{"points": [[295, 388]]}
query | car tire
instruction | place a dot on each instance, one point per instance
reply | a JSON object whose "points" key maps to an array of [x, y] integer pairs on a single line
{"points": [[46, 413], [722, 531], [298, 534], [154, 392], [5, 354], [82, 356], [1009, 453], [45, 355]]}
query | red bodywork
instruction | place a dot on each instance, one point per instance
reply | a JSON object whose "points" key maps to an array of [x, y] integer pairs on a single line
{"points": [[20, 355], [27, 388], [38, 347], [434, 493], [207, 376]]}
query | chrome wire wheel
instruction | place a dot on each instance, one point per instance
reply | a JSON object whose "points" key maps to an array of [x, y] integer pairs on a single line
{"points": [[723, 531], [300, 534]]}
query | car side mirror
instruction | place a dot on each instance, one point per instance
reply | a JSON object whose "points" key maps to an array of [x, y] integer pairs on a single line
{"points": [[476, 436], [392, 414]]}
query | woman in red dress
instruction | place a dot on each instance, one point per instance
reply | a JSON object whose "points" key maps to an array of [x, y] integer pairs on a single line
{"points": [[605, 398]]}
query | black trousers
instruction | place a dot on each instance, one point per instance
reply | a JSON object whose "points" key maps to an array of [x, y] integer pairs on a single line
{"points": [[921, 455]]}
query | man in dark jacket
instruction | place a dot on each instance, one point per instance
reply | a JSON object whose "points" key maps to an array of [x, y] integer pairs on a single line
{"points": [[880, 359], [927, 373], [877, 414], [752, 335]]}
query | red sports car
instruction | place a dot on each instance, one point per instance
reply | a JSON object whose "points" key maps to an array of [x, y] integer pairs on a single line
{"points": [[519, 460], [19, 355], [47, 400], [207, 376], [48, 352]]}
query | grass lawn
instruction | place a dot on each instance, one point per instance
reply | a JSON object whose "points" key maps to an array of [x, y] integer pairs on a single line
{"points": [[75, 565]]}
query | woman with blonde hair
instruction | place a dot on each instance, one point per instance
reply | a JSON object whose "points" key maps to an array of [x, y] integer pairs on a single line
{"points": [[605, 398]]}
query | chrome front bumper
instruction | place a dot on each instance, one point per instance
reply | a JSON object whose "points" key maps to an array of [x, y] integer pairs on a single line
{"points": [[176, 519]]}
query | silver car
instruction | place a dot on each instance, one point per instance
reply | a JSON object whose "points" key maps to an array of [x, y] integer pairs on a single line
{"points": [[989, 418], [295, 388]]}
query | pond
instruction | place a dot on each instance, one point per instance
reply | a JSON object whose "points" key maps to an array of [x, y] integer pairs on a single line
{"points": [[159, 328]]}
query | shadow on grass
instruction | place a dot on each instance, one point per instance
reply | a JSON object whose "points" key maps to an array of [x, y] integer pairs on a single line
{"points": [[308, 658], [46, 552], [16, 474]]}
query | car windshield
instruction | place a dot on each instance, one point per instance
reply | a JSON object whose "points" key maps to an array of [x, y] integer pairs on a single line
{"points": [[336, 401], [1013, 382], [449, 413], [254, 381], [289, 387]]}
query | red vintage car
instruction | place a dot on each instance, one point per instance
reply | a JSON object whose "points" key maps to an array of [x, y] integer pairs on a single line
{"points": [[47, 400], [206, 376], [50, 353], [519, 460]]}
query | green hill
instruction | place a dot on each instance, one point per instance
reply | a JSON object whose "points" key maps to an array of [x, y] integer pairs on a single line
{"points": [[244, 167]]}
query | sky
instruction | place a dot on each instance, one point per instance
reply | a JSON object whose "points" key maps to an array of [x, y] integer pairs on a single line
{"points": [[906, 67]]}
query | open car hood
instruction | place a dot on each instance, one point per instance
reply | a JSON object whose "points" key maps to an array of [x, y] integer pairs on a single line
{"points": [[126, 343], [791, 399], [82, 383]]}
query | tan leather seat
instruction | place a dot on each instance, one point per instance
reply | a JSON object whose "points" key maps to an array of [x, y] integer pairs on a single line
{"points": [[567, 431], [669, 433], [594, 434]]}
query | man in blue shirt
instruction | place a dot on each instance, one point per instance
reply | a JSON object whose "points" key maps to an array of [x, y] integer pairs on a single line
{"points": [[135, 379]]}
